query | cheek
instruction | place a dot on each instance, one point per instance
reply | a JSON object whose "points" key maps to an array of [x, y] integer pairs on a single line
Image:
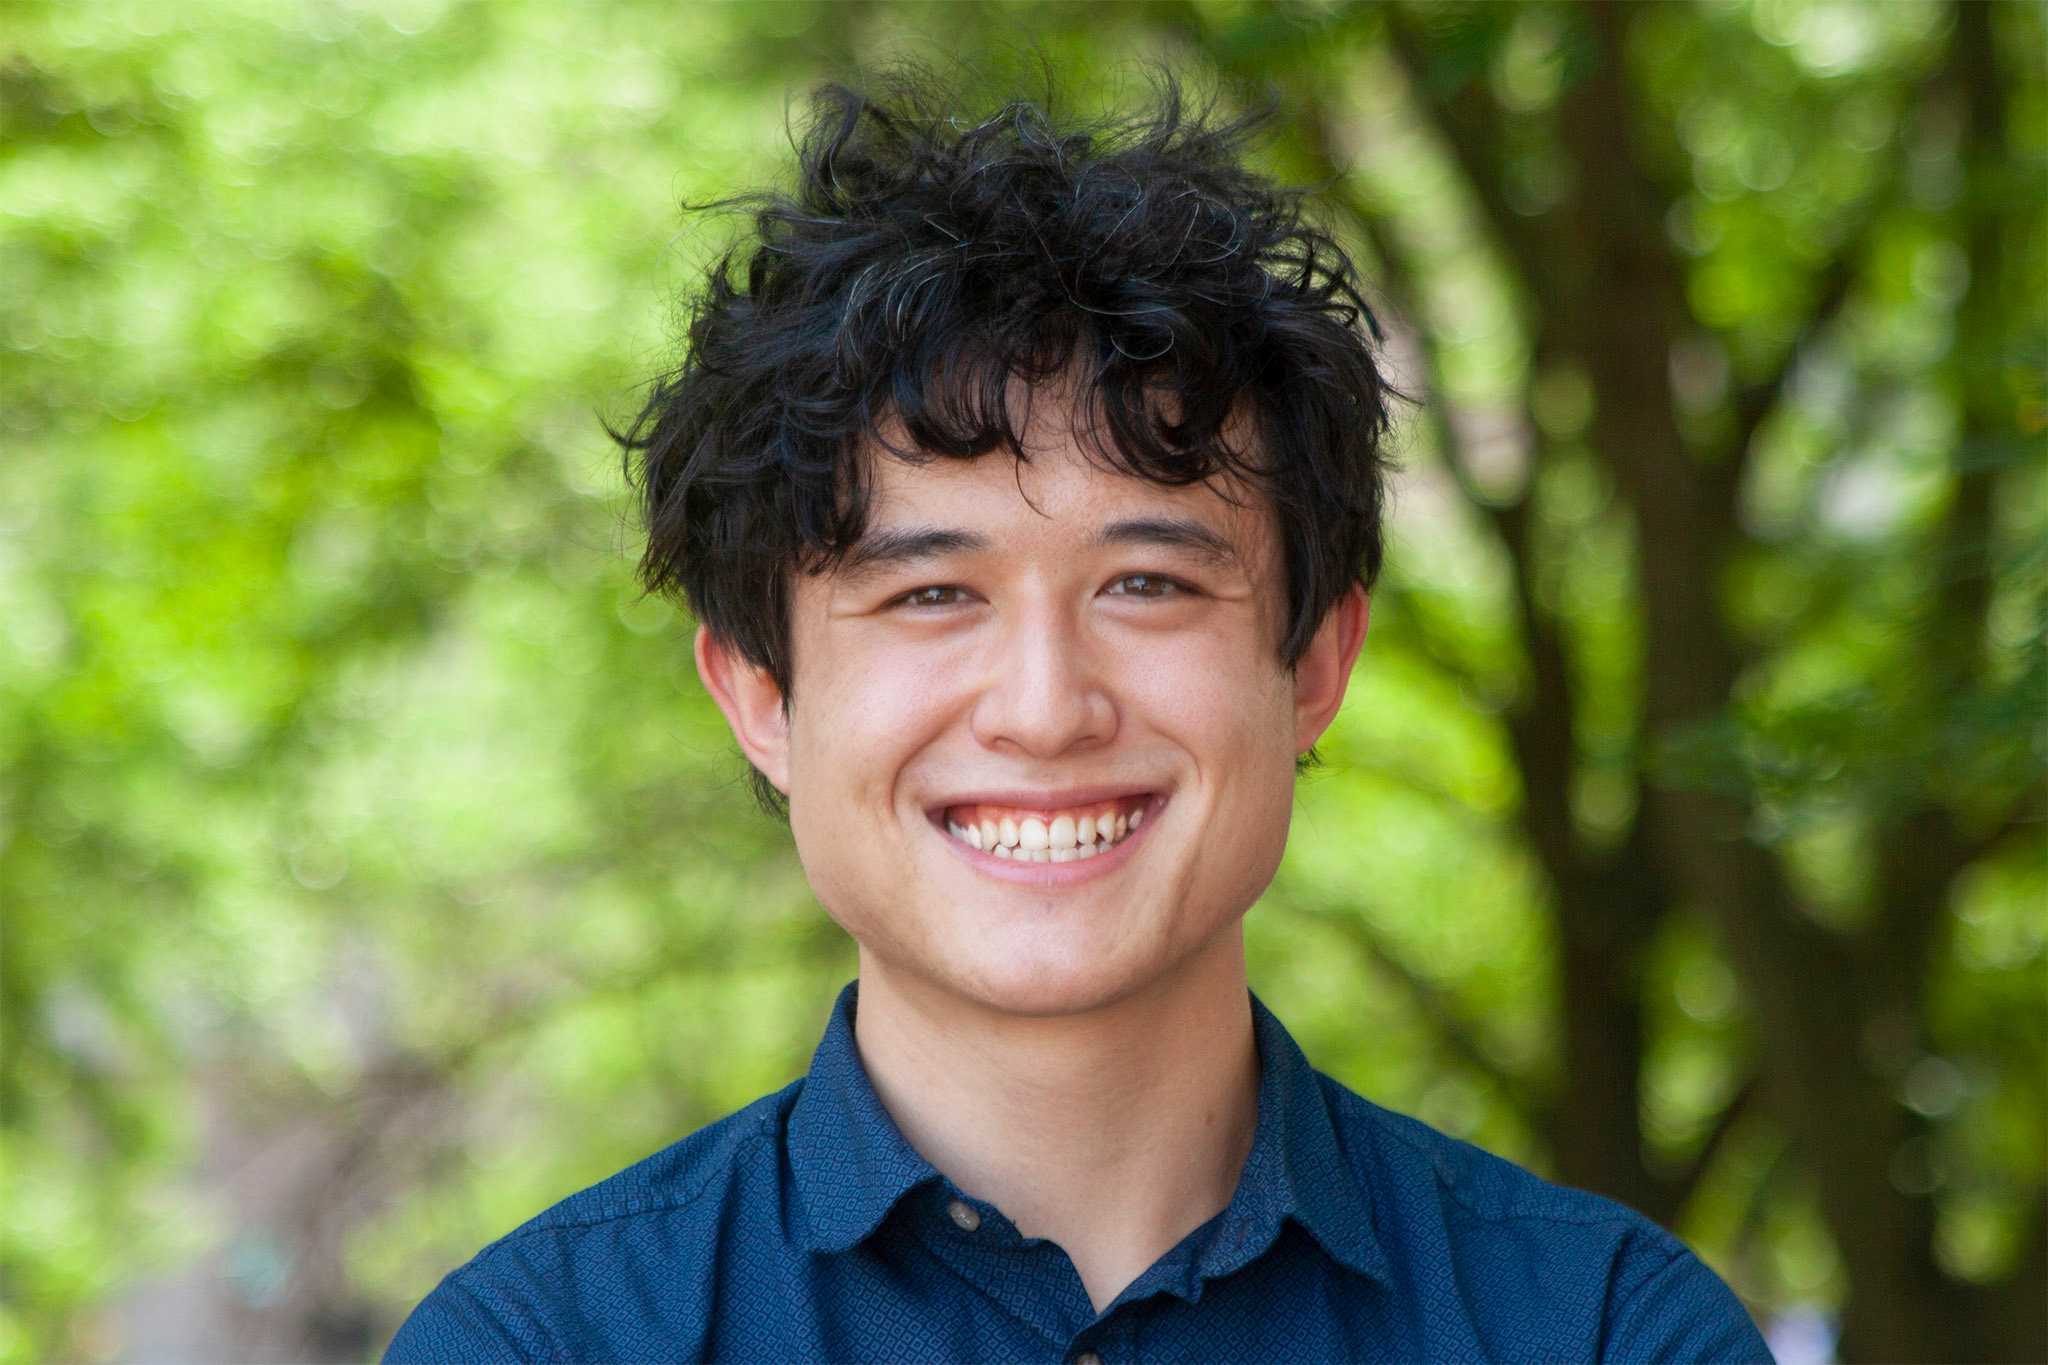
{"points": [[1246, 833], [853, 730], [1234, 714], [1233, 710]]}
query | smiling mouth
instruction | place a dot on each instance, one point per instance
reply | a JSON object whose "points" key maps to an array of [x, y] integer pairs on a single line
{"points": [[1048, 836]]}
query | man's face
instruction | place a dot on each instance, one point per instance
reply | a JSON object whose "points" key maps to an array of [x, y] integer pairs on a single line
{"points": [[1019, 655]]}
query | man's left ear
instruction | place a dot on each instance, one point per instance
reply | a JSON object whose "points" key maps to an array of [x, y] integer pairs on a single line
{"points": [[1324, 670]]}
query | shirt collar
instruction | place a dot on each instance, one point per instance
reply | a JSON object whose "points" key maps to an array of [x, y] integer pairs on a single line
{"points": [[1297, 1169], [850, 1162], [852, 1165]]}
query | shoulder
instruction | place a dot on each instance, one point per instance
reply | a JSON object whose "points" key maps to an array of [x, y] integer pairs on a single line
{"points": [[1587, 1275], [553, 1287], [674, 1177], [1411, 1160]]}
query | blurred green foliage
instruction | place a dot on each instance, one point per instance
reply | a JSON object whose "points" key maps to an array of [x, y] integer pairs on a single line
{"points": [[356, 811]]}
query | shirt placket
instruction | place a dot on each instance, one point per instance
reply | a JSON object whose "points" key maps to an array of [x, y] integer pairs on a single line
{"points": [[1030, 1279]]}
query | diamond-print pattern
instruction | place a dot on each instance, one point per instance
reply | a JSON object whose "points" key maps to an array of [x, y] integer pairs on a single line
{"points": [[805, 1228]]}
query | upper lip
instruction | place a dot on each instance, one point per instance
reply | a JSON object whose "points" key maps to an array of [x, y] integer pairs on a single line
{"points": [[1044, 798]]}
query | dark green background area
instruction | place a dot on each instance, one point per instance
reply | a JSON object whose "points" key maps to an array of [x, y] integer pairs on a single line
{"points": [[375, 870]]}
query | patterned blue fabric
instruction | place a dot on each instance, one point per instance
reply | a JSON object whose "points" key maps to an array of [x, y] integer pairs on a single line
{"points": [[805, 1228]]}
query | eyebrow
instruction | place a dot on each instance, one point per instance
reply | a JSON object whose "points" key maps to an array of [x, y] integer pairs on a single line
{"points": [[1173, 533], [894, 546]]}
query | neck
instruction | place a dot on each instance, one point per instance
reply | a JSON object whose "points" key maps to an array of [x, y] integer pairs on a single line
{"points": [[1114, 1133]]}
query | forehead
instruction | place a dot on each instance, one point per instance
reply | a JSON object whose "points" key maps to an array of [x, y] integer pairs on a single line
{"points": [[1064, 491]]}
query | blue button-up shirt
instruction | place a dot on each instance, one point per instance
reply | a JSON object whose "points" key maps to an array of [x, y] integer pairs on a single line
{"points": [[805, 1228]]}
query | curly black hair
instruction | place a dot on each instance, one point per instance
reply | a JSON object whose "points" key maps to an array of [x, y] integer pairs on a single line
{"points": [[922, 263]]}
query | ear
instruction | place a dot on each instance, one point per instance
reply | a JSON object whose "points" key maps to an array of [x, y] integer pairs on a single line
{"points": [[1324, 671], [752, 704]]}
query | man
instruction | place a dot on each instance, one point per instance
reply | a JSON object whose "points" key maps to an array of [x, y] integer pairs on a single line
{"points": [[1027, 485]]}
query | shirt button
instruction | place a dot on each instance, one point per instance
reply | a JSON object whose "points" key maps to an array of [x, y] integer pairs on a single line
{"points": [[967, 1220], [1087, 1358]]}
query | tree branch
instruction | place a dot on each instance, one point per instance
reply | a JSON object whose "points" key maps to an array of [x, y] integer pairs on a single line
{"points": [[1541, 727], [1464, 125], [1687, 1182], [1458, 1034]]}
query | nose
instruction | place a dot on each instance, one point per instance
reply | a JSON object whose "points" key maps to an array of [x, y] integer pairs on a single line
{"points": [[1045, 691]]}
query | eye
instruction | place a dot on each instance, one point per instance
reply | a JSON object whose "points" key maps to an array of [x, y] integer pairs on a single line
{"points": [[1147, 585], [933, 595]]}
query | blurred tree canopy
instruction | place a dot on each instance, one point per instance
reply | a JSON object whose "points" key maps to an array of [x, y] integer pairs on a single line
{"points": [[375, 871]]}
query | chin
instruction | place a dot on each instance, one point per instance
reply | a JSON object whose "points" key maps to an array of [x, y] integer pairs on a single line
{"points": [[1051, 995], [1017, 981], [1049, 980]]}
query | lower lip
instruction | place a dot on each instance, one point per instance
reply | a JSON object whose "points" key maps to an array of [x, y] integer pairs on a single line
{"points": [[1052, 875]]}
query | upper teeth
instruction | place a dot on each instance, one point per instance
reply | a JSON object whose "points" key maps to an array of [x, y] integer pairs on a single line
{"points": [[1046, 836]]}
